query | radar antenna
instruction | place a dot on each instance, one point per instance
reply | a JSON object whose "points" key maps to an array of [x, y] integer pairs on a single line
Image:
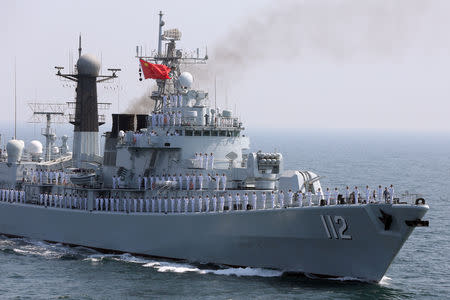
{"points": [[49, 113]]}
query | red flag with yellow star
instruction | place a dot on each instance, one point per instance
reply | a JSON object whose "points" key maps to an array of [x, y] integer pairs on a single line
{"points": [[154, 71]]}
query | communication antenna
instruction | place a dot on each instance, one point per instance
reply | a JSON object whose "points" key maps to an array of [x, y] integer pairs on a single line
{"points": [[79, 47], [215, 93], [15, 99], [49, 113]]}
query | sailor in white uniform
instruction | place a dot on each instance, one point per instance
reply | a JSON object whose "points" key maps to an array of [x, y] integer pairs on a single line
{"points": [[237, 200], [391, 194], [172, 204], [200, 161], [106, 204], [200, 203], [207, 201], [159, 204], [214, 200], [179, 204], [193, 181], [114, 182], [367, 194], [217, 178], [336, 195], [281, 199], [222, 202], [356, 192], [200, 180], [206, 161], [211, 161], [380, 194], [300, 198], [192, 204], [310, 201], [97, 203], [188, 181], [272, 198], [224, 182], [166, 205], [41, 199], [327, 196], [230, 202], [291, 197], [245, 201], [263, 199], [347, 195], [111, 202], [179, 118], [254, 200]]}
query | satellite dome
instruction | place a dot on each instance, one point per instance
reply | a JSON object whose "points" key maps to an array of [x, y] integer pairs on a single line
{"points": [[186, 80], [88, 65], [34, 147], [14, 148]]}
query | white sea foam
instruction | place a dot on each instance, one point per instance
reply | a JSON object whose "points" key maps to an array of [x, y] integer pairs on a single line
{"points": [[385, 281]]}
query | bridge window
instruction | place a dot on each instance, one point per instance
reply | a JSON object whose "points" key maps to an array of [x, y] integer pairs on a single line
{"points": [[214, 133], [189, 132], [223, 133], [206, 133], [197, 133]]}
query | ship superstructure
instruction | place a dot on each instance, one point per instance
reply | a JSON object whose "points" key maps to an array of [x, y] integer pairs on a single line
{"points": [[181, 182]]}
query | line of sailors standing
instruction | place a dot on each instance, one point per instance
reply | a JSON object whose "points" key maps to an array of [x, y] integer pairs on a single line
{"points": [[10, 195], [58, 177], [200, 203]]}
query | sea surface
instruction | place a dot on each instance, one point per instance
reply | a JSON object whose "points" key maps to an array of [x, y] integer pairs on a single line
{"points": [[417, 162]]}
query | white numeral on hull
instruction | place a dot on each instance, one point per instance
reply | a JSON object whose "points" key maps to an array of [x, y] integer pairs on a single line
{"points": [[329, 224]]}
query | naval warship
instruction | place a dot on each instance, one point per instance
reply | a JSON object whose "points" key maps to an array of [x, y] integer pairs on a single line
{"points": [[180, 182]]}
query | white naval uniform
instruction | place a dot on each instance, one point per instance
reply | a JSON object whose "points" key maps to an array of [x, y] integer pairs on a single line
{"points": [[327, 196], [180, 182], [211, 160], [272, 197], [335, 196], [145, 183], [172, 204], [224, 182], [367, 195], [141, 205], [200, 182], [192, 204], [179, 205], [291, 197], [263, 199], [356, 192], [214, 199], [230, 202], [254, 200], [237, 199], [200, 204], [222, 202], [300, 199], [310, 198], [207, 200], [281, 199], [217, 178], [106, 204], [380, 194], [391, 195], [245, 202]]}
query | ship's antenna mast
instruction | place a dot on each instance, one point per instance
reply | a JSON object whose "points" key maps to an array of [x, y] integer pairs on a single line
{"points": [[161, 24], [215, 93], [15, 99], [79, 46]]}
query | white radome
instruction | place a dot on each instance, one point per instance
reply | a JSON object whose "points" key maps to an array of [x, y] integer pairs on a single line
{"points": [[55, 150], [34, 147], [186, 79], [88, 65], [14, 148]]}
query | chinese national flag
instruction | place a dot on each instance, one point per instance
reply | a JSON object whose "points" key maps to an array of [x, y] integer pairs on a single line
{"points": [[154, 71]]}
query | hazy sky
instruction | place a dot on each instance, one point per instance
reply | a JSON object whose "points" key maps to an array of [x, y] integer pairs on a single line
{"points": [[309, 64]]}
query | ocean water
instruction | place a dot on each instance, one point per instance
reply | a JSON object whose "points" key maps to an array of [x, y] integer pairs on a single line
{"points": [[414, 162]]}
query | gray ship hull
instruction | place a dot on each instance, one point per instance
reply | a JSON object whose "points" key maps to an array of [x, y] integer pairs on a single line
{"points": [[341, 241]]}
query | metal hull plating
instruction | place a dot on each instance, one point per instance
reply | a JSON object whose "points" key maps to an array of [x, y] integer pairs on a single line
{"points": [[292, 239]]}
